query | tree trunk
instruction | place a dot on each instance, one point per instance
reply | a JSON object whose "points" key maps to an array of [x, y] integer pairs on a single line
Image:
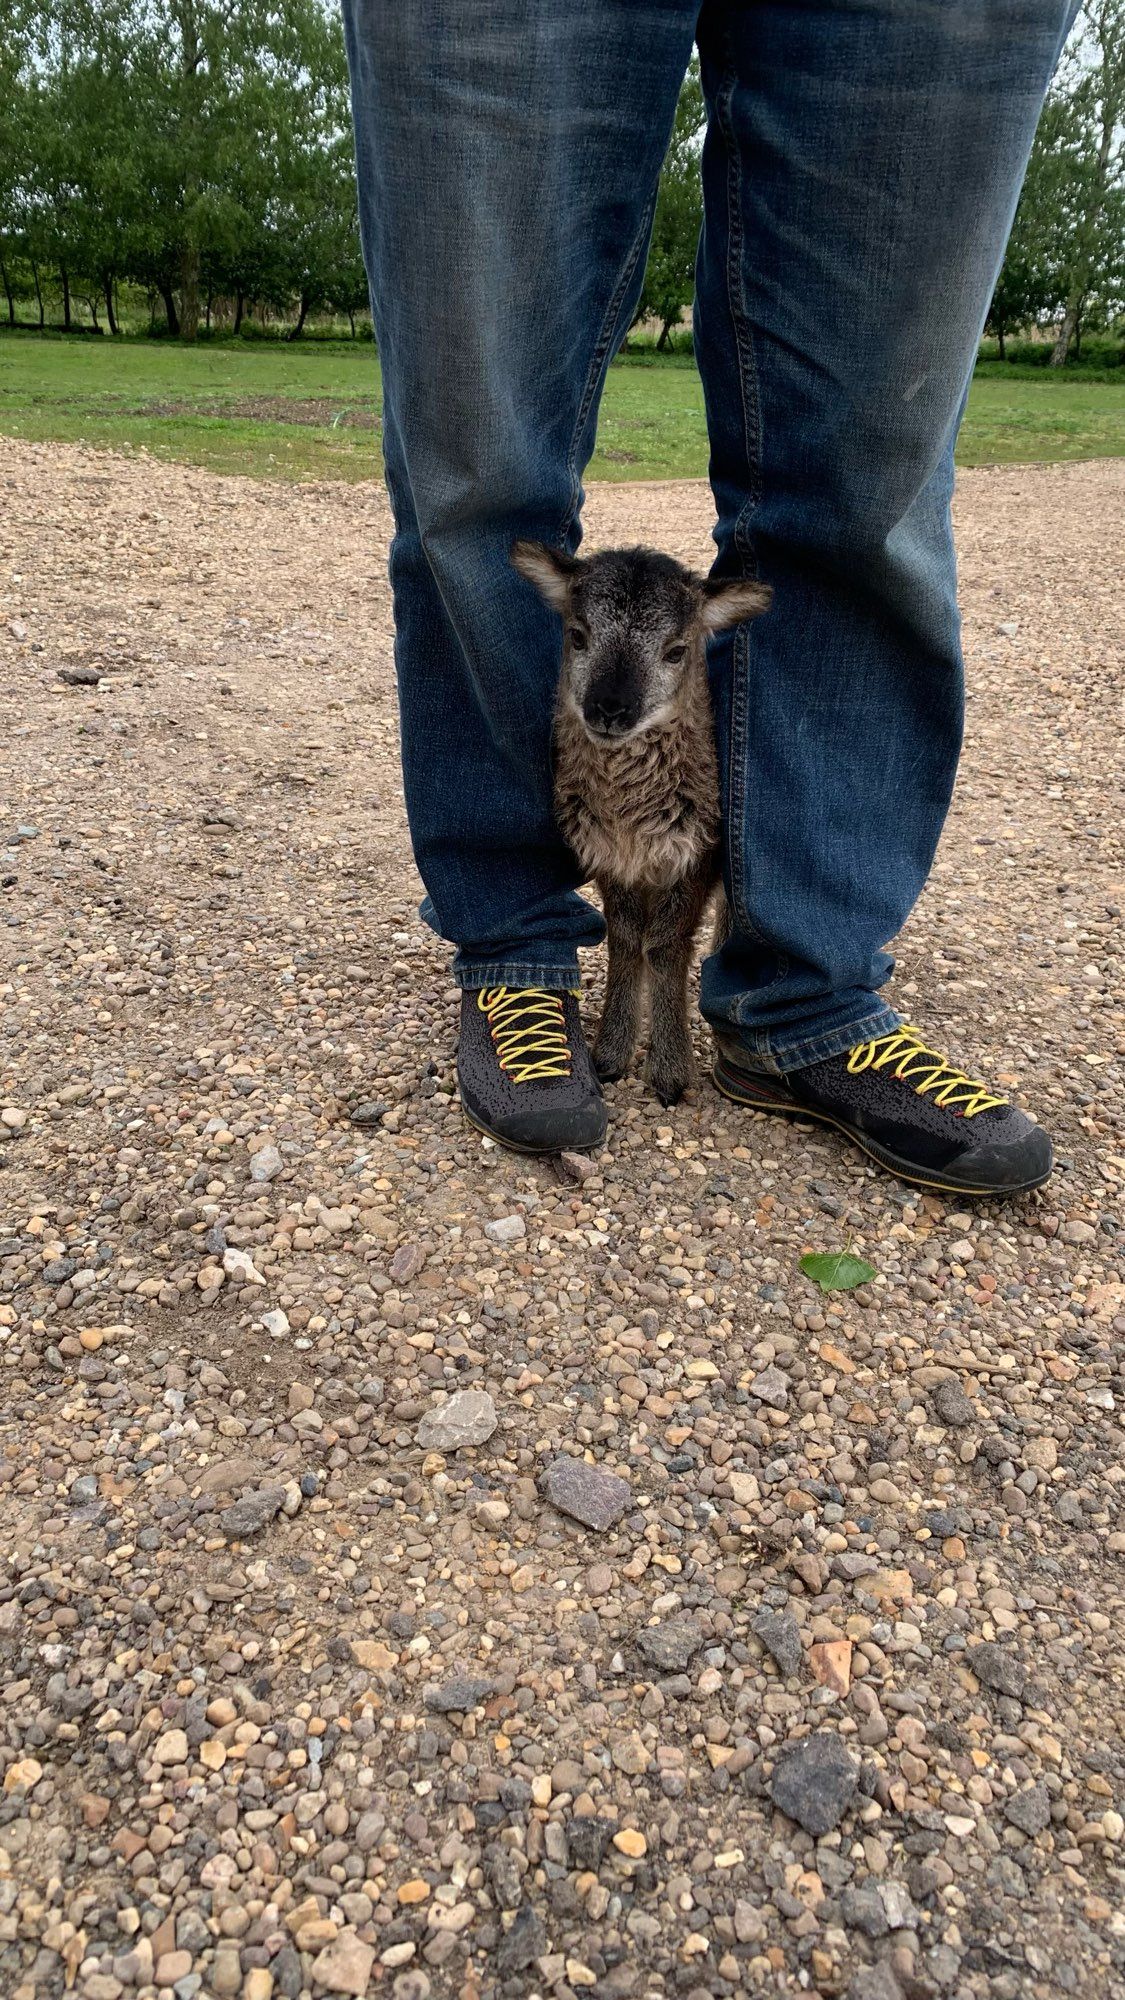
{"points": [[210, 299], [189, 292], [38, 290], [109, 312], [662, 337], [92, 305], [239, 302], [351, 321], [170, 309], [296, 333], [8, 290], [1067, 331], [65, 297], [1000, 339]]}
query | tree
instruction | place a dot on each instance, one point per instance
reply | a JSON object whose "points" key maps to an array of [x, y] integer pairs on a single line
{"points": [[1090, 105], [1065, 261], [198, 148], [669, 284], [13, 148], [237, 104], [1028, 288]]}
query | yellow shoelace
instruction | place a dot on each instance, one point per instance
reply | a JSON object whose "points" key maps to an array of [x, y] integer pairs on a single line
{"points": [[929, 1073], [528, 1027]]}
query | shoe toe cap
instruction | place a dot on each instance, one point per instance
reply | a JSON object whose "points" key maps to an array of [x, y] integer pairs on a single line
{"points": [[555, 1130], [1010, 1163]]}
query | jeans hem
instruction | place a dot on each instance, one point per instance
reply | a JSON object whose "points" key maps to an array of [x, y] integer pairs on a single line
{"points": [[777, 1056], [553, 978]]}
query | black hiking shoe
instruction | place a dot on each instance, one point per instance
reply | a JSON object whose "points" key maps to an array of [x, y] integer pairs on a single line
{"points": [[909, 1108], [525, 1072]]}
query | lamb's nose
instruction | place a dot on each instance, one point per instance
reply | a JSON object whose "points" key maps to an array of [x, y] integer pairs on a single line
{"points": [[609, 712]]}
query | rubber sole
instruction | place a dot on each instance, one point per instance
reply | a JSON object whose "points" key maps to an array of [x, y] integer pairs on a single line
{"points": [[758, 1097], [531, 1152]]}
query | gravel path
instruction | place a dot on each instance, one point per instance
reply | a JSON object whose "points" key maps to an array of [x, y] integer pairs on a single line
{"points": [[319, 1675]]}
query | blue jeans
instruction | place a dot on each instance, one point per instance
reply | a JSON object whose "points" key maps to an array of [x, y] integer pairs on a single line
{"points": [[860, 172]]}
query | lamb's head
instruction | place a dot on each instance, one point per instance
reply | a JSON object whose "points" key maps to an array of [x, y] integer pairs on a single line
{"points": [[635, 630]]}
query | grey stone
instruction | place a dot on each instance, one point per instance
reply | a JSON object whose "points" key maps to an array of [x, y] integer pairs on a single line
{"points": [[79, 677], [469, 1417], [875, 1982], [506, 1229], [862, 1910], [371, 1112], [898, 1909], [369, 1827], [851, 1564], [951, 1404], [814, 1782], [252, 1511], [288, 1972], [586, 1492], [771, 1387], [669, 1647], [522, 1944], [458, 1694], [1029, 1810], [192, 1933], [750, 1925], [587, 1838], [943, 1964], [781, 1637], [266, 1164], [507, 1882], [997, 1668]]}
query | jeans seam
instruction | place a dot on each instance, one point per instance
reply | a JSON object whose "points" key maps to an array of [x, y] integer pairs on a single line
{"points": [[834, 1042], [597, 363], [516, 972], [751, 437]]}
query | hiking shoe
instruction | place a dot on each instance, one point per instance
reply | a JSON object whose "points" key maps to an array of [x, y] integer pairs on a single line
{"points": [[909, 1108], [525, 1072]]}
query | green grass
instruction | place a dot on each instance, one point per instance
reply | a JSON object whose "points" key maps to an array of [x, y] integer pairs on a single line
{"points": [[307, 411]]}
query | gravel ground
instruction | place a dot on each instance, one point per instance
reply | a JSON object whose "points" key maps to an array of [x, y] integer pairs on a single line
{"points": [[319, 1675]]}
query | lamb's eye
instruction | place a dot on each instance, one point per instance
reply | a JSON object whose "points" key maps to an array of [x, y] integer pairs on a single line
{"points": [[674, 654], [578, 639]]}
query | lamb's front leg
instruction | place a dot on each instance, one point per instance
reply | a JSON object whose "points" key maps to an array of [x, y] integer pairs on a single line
{"points": [[673, 924], [621, 1015]]}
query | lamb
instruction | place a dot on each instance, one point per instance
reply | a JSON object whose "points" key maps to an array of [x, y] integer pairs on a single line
{"points": [[636, 775]]}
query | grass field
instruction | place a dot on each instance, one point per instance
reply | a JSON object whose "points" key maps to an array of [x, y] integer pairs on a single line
{"points": [[307, 411]]}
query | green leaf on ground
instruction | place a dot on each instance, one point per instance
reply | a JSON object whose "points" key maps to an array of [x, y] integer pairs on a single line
{"points": [[836, 1272]]}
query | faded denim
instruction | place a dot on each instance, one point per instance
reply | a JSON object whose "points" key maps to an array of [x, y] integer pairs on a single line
{"points": [[861, 169]]}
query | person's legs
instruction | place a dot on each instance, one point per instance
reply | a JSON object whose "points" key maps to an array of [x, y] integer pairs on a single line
{"points": [[508, 156], [861, 171]]}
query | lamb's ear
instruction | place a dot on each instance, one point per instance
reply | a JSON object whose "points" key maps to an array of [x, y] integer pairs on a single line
{"points": [[550, 570], [728, 600]]}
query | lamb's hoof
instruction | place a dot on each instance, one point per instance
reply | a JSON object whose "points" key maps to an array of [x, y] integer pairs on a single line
{"points": [[609, 1069], [669, 1089]]}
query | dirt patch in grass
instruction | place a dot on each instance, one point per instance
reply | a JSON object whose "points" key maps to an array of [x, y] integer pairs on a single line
{"points": [[319, 411]]}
